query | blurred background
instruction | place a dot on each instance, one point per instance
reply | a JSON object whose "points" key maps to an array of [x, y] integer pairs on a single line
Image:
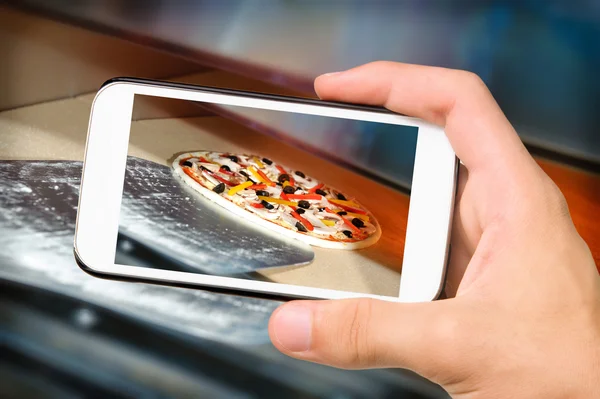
{"points": [[63, 330]]}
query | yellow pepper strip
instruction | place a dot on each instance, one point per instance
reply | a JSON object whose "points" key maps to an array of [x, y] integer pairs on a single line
{"points": [[259, 163], [358, 215], [328, 222], [347, 203], [286, 183], [252, 170], [239, 187], [277, 201]]}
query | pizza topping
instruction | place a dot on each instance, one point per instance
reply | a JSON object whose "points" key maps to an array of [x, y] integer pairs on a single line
{"points": [[341, 196], [187, 163], [364, 218], [209, 177], [278, 201], [300, 227], [347, 233], [219, 188], [320, 192], [239, 187], [316, 188], [308, 197], [265, 178], [328, 222], [288, 189], [300, 211], [225, 167], [258, 162], [305, 222], [342, 213], [267, 205], [233, 158], [283, 177], [302, 175], [349, 224], [358, 223], [267, 161], [257, 187], [302, 203], [243, 173], [262, 193]]}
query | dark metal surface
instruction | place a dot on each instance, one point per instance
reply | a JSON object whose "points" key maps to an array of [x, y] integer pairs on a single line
{"points": [[37, 222]]}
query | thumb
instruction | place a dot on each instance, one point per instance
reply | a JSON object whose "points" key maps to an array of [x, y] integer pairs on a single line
{"points": [[366, 333]]}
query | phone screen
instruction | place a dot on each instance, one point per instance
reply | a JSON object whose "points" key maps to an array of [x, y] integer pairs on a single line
{"points": [[267, 195]]}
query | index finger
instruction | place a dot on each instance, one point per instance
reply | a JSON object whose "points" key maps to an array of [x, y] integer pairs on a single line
{"points": [[459, 101]]}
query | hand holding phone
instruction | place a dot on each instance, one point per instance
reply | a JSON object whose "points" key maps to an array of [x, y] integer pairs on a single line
{"points": [[527, 290]]}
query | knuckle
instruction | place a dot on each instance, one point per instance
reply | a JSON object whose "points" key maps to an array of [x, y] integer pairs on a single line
{"points": [[447, 330], [471, 81], [358, 335]]}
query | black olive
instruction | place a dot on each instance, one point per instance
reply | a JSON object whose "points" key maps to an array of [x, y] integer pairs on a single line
{"points": [[244, 173], [320, 192], [358, 223], [283, 177], [321, 209], [266, 204], [347, 233], [219, 188], [302, 175], [267, 161], [262, 193], [279, 184], [187, 163], [342, 213], [289, 189], [341, 197], [304, 204], [233, 158], [204, 168], [225, 167], [300, 211], [301, 227]]}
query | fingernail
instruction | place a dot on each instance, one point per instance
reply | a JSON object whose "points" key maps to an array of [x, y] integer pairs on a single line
{"points": [[292, 327], [332, 73]]}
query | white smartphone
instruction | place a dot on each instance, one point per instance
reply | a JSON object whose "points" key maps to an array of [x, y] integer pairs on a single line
{"points": [[263, 194]]}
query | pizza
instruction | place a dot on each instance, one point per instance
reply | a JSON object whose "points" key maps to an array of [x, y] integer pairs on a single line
{"points": [[278, 198]]}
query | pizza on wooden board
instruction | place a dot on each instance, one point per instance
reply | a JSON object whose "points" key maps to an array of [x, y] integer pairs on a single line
{"points": [[280, 199]]}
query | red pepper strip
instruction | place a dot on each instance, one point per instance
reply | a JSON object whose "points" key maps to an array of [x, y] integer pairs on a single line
{"points": [[202, 159], [281, 170], [257, 205], [349, 224], [292, 181], [351, 209], [262, 174], [219, 178], [284, 196], [227, 172], [305, 222], [188, 171], [315, 188], [305, 197], [257, 187]]}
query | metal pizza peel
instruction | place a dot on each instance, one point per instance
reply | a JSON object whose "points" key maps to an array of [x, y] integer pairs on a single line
{"points": [[167, 222]]}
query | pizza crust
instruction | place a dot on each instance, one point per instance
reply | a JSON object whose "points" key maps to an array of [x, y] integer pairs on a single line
{"points": [[257, 220]]}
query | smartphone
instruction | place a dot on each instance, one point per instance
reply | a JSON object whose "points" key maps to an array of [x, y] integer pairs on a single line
{"points": [[263, 194]]}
